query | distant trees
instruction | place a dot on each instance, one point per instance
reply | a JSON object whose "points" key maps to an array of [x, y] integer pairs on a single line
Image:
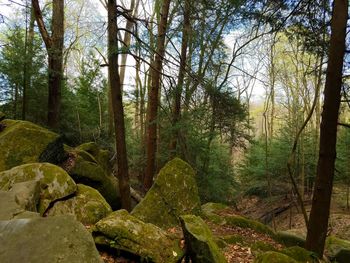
{"points": [[54, 47]]}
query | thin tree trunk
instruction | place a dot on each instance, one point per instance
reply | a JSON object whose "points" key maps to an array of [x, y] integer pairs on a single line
{"points": [[318, 224], [117, 103], [178, 90], [54, 47], [154, 96]]}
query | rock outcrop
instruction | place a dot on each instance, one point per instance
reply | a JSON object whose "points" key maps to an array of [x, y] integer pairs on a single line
{"points": [[23, 142], [55, 183], [174, 193], [124, 232], [53, 239], [199, 241], [87, 206]]}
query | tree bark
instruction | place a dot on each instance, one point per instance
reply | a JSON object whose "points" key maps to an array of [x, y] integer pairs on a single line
{"points": [[318, 223], [117, 104], [54, 47], [154, 96]]}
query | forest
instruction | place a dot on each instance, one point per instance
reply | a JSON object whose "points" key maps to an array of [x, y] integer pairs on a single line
{"points": [[175, 131]]}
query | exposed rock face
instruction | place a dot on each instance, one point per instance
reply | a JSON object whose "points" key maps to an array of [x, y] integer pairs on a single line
{"points": [[200, 244], [23, 142], [88, 206], [53, 239], [88, 172], [124, 232], [55, 183], [174, 193]]}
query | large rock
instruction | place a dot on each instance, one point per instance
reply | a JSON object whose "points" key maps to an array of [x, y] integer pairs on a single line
{"points": [[88, 206], [53, 239], [338, 249], [23, 142], [101, 156], [199, 240], [174, 193], [10, 209], [124, 232], [90, 173], [55, 183]]}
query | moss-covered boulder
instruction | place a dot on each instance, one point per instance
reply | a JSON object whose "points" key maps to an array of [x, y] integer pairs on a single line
{"points": [[173, 193], [214, 213], [9, 208], [88, 206], [55, 183], [300, 254], [102, 156], [338, 249], [274, 257], [290, 238], [92, 174], [200, 244], [27, 194], [53, 239], [23, 142], [121, 231]]}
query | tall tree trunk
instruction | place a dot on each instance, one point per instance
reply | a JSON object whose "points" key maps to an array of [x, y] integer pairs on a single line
{"points": [[117, 103], [154, 96], [178, 90], [54, 47], [318, 224]]}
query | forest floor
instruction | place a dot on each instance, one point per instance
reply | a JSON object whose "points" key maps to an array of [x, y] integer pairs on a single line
{"points": [[289, 217]]}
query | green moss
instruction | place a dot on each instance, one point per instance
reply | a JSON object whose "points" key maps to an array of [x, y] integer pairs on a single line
{"points": [[274, 257], [290, 239], [124, 232], [300, 254], [87, 206], [200, 241], [55, 183], [210, 208], [244, 222], [173, 193], [338, 249], [260, 246], [93, 175], [23, 142], [101, 156], [234, 239]]}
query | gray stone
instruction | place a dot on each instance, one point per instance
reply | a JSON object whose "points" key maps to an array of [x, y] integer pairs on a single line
{"points": [[42, 240]]}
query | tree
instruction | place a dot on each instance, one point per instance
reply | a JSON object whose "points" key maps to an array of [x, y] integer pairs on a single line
{"points": [[156, 71], [117, 104], [318, 223], [54, 47]]}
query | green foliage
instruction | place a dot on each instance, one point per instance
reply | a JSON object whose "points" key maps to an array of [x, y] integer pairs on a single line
{"points": [[13, 60]]}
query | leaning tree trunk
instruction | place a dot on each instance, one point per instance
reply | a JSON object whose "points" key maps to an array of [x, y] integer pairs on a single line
{"points": [[318, 223], [117, 104], [54, 47], [154, 96]]}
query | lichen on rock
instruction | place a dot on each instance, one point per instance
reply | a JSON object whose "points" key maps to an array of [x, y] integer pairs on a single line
{"points": [[122, 231], [55, 183], [87, 206], [174, 193], [23, 142], [200, 244]]}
